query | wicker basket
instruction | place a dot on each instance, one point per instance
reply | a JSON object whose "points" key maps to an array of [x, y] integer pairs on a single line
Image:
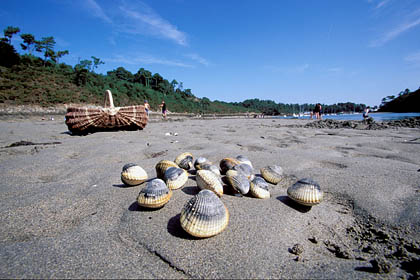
{"points": [[84, 120]]}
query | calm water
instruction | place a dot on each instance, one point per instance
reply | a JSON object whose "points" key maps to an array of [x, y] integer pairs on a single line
{"points": [[359, 117]]}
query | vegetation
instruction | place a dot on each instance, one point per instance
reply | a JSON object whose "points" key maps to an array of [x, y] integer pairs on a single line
{"points": [[31, 79], [405, 102]]}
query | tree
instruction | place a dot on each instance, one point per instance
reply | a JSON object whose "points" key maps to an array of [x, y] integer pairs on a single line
{"points": [[59, 54], [84, 64], [8, 55], [30, 42], [8, 34], [46, 45], [96, 62], [173, 84]]}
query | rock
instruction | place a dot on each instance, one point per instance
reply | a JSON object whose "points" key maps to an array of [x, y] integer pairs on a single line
{"points": [[381, 265], [297, 249]]}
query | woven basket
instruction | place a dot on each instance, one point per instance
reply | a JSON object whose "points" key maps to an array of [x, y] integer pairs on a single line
{"points": [[84, 120]]}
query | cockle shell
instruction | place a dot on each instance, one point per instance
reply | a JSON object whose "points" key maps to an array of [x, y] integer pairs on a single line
{"points": [[185, 160], [238, 181], [204, 215], [155, 194], [133, 175], [206, 179], [245, 169], [259, 188], [272, 174], [306, 192], [200, 162], [243, 159], [227, 164], [175, 177], [162, 166], [213, 168]]}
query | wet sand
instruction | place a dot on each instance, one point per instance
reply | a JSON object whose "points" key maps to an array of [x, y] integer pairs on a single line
{"points": [[66, 214]]}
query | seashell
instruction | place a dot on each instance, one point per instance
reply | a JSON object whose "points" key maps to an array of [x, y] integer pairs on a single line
{"points": [[306, 192], [227, 164], [206, 179], [185, 161], [238, 181], [154, 195], [243, 159], [175, 177], [259, 188], [245, 169], [133, 175], [162, 166], [272, 174], [213, 168], [204, 215], [200, 162]]}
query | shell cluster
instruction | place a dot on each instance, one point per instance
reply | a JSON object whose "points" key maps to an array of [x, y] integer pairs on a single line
{"points": [[205, 214]]}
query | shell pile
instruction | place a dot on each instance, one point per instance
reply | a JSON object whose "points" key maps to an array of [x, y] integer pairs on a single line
{"points": [[205, 215]]}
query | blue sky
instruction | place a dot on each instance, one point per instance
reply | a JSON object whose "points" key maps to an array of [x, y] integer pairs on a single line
{"points": [[289, 51]]}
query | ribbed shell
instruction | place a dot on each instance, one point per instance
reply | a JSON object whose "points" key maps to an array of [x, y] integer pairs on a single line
{"points": [[133, 175], [272, 174], [185, 160], [227, 164], [162, 166], [154, 195], [201, 161], [206, 179], [306, 192], [204, 215], [238, 181], [83, 120], [245, 169], [213, 168], [243, 159], [175, 177], [259, 188]]}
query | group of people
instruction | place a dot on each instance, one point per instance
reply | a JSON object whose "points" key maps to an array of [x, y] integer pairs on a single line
{"points": [[317, 112], [162, 106]]}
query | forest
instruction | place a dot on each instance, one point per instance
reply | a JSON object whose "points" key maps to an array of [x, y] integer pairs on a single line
{"points": [[36, 76]]}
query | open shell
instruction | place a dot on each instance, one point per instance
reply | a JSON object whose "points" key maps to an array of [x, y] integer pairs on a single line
{"points": [[272, 173], [245, 169], [162, 166], [243, 159], [259, 188], [227, 164], [185, 160], [238, 181], [155, 194], [204, 215], [133, 175], [306, 192], [175, 177], [206, 179]]}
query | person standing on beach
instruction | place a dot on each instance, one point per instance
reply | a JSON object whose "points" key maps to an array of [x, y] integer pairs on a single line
{"points": [[366, 112], [146, 107], [163, 106], [317, 111]]}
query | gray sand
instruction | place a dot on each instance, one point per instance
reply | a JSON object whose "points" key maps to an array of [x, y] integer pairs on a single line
{"points": [[66, 214]]}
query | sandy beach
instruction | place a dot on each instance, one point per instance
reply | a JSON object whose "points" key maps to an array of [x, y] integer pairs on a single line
{"points": [[66, 214]]}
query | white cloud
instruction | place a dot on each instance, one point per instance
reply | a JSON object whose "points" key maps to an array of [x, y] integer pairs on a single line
{"points": [[145, 59], [198, 58], [395, 32], [381, 4], [143, 16], [97, 11]]}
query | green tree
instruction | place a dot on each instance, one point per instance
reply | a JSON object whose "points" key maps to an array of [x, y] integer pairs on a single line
{"points": [[8, 34], [30, 42], [59, 54], [46, 45], [8, 55], [96, 62]]}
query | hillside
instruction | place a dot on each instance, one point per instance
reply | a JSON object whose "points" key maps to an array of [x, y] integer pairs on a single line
{"points": [[405, 103]]}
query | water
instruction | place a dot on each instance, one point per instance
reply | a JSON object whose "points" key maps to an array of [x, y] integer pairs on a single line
{"points": [[359, 116]]}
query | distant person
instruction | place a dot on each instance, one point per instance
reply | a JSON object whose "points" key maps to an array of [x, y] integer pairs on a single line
{"points": [[146, 107], [317, 112], [163, 107], [320, 112], [366, 113]]}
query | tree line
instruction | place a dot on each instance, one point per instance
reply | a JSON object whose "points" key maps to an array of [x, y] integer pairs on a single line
{"points": [[127, 88]]}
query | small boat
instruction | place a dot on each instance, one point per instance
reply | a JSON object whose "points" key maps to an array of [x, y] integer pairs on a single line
{"points": [[82, 120]]}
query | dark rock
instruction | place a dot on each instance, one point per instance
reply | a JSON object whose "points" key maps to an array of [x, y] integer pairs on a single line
{"points": [[381, 265], [297, 249]]}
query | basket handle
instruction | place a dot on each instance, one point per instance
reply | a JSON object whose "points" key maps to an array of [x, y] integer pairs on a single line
{"points": [[108, 98]]}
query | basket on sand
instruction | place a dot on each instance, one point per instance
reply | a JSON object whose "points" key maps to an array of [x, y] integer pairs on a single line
{"points": [[84, 120]]}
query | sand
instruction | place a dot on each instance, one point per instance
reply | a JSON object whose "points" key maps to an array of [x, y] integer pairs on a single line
{"points": [[64, 212]]}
